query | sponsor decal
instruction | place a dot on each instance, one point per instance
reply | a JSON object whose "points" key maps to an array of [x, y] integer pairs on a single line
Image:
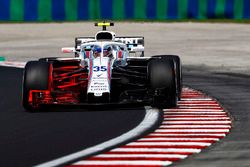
{"points": [[98, 94], [100, 68], [98, 75]]}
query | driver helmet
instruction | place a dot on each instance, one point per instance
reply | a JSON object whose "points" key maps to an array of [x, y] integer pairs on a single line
{"points": [[107, 51], [97, 51]]}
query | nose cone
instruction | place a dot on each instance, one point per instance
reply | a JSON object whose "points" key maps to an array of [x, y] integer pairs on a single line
{"points": [[99, 80]]}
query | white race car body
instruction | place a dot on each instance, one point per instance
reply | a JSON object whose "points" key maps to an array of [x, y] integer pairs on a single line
{"points": [[105, 70], [100, 67]]}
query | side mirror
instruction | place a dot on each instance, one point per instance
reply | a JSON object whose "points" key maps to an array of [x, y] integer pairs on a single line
{"points": [[69, 50]]}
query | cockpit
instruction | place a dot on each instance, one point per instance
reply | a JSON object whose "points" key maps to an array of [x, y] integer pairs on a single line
{"points": [[106, 51], [95, 50]]}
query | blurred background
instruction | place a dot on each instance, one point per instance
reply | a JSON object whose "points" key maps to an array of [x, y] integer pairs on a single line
{"points": [[213, 55], [167, 25], [75, 10]]}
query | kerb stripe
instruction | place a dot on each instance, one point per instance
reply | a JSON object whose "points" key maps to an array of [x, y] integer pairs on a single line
{"points": [[197, 122]]}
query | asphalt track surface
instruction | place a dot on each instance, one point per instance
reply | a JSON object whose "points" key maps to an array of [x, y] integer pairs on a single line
{"points": [[216, 61], [29, 139], [32, 138]]}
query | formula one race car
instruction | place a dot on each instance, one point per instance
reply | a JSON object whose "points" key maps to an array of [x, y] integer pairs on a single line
{"points": [[106, 70]]}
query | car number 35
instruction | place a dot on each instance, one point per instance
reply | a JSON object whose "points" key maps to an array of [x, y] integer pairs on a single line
{"points": [[99, 68]]}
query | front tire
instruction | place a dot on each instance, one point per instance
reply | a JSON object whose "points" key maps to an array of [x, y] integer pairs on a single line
{"points": [[162, 81], [178, 68], [35, 77]]}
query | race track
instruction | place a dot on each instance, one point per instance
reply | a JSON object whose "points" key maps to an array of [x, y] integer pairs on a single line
{"points": [[215, 60], [29, 139]]}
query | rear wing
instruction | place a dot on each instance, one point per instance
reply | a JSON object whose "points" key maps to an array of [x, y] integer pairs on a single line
{"points": [[81, 40], [131, 42], [134, 43]]}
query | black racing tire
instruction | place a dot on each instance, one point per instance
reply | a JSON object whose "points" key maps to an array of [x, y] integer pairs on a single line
{"points": [[162, 80], [35, 77], [177, 61]]}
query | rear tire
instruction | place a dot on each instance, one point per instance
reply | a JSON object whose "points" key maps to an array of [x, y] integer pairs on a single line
{"points": [[162, 80], [36, 77]]}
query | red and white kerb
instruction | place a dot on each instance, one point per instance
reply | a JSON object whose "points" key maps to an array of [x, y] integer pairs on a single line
{"points": [[197, 122]]}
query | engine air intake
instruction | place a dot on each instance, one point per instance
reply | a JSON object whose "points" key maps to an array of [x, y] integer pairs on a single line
{"points": [[104, 36]]}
